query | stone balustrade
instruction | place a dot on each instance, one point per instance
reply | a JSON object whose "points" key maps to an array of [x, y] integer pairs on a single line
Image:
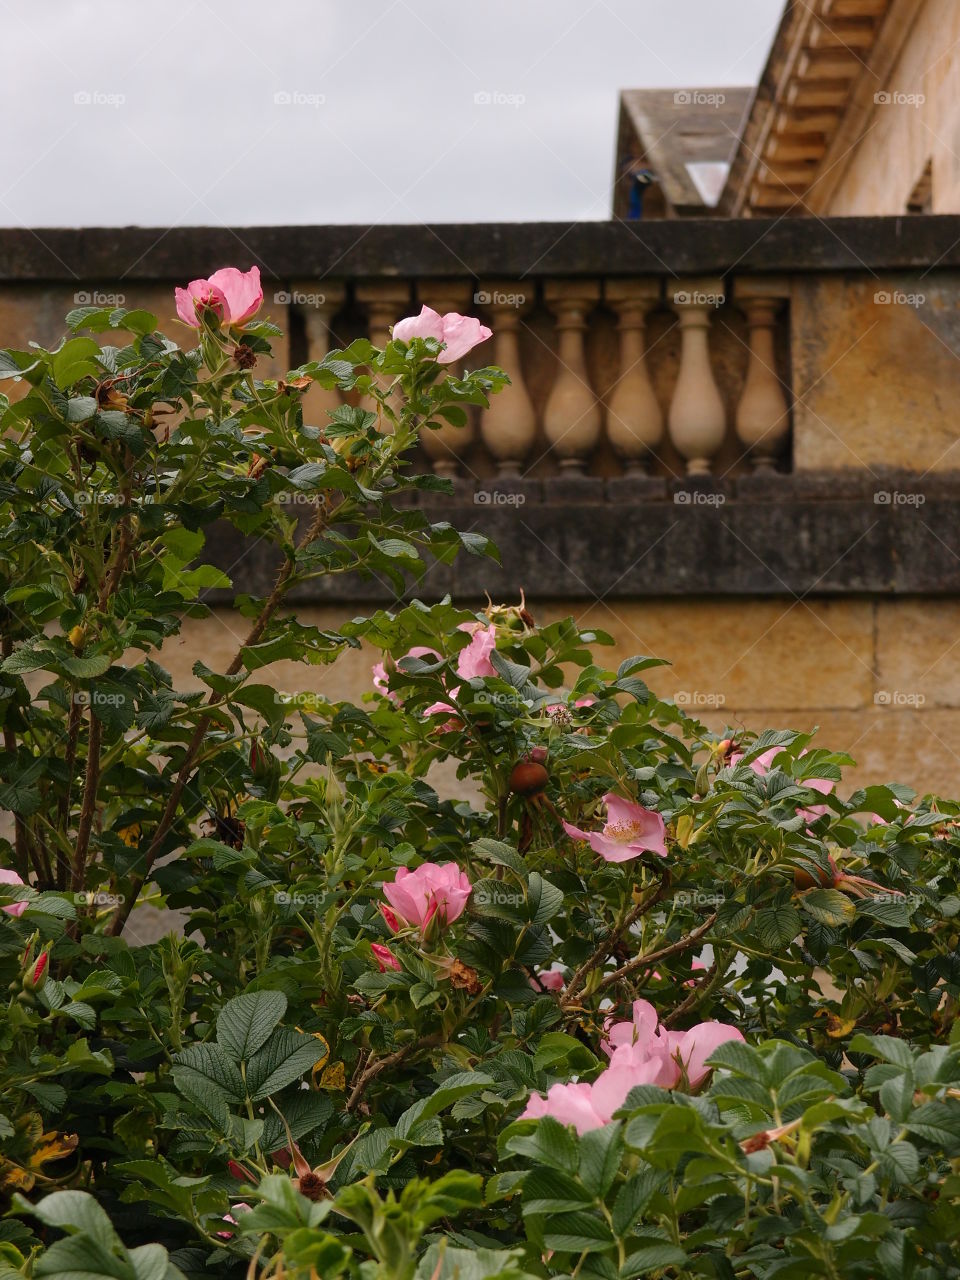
{"points": [[664, 376], [642, 356]]}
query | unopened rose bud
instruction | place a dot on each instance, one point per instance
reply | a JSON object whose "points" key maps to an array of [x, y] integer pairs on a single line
{"points": [[77, 636], [384, 957], [36, 975]]}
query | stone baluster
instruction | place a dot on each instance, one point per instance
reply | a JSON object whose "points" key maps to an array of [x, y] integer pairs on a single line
{"points": [[697, 421], [318, 303], [387, 301], [634, 416], [509, 426], [445, 445], [572, 418], [762, 414]]}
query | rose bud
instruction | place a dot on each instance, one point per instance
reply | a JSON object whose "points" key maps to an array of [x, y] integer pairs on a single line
{"points": [[36, 973]]}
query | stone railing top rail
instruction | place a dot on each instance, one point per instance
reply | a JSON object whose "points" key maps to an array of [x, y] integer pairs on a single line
{"points": [[489, 249]]}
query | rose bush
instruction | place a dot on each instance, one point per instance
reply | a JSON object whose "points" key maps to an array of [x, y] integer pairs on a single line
{"points": [[634, 1001]]}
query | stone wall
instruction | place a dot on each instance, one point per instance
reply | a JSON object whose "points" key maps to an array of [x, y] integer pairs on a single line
{"points": [[880, 678]]}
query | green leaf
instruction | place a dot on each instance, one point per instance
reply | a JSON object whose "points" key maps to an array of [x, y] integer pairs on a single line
{"points": [[503, 855], [544, 899], [139, 321], [81, 1258], [900, 1163], [245, 1022], [652, 1258], [777, 926], [551, 1143], [633, 1197], [287, 1056], [81, 408], [888, 1047], [600, 1152], [577, 1233], [77, 358], [73, 1211], [454, 1087], [550, 1191], [828, 906], [208, 1078]]}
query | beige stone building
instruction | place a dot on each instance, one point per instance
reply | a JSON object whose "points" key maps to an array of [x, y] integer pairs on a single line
{"points": [[732, 435], [857, 113]]}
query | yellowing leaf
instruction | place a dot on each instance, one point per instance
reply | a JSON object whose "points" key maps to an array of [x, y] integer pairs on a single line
{"points": [[333, 1077]]}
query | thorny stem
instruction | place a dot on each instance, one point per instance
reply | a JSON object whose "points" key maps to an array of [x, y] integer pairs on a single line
{"points": [[613, 937], [89, 804], [644, 961]]}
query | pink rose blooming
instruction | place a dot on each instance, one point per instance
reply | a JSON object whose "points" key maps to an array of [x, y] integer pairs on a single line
{"points": [[629, 831], [433, 890], [640, 1052], [473, 662], [11, 877], [242, 1207], [234, 295], [764, 763], [384, 957], [381, 677], [459, 334], [551, 980], [568, 1103]]}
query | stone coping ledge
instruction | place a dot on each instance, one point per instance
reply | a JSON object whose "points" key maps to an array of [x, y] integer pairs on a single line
{"points": [[585, 538], [484, 250]]}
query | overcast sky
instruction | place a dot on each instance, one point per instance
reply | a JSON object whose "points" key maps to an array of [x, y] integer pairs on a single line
{"points": [[315, 111]]}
